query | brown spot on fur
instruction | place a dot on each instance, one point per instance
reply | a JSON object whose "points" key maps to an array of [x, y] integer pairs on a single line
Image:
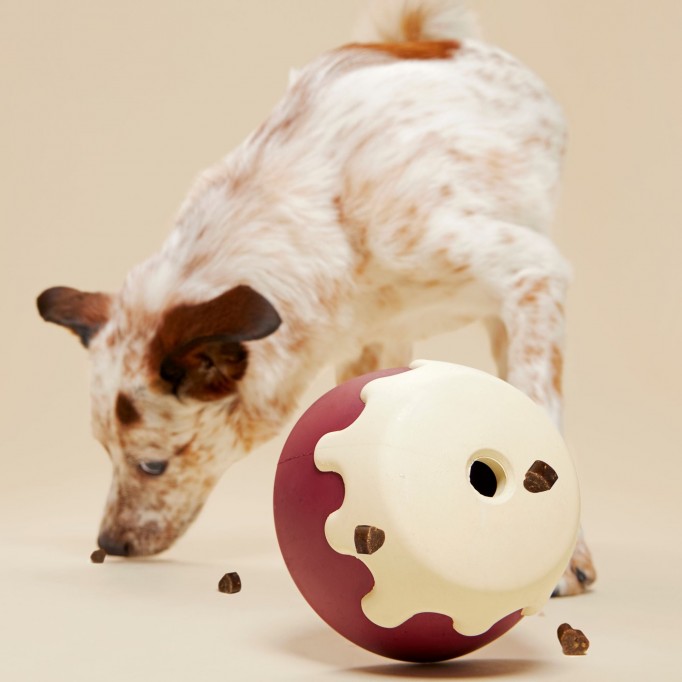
{"points": [[403, 232], [368, 361], [421, 50], [182, 449], [340, 213], [114, 338], [557, 368], [496, 167], [347, 205], [409, 240], [459, 156], [538, 141], [281, 130], [283, 124], [412, 24], [443, 256], [329, 293], [126, 413], [531, 352], [197, 262], [541, 286], [390, 296], [241, 424], [208, 484]]}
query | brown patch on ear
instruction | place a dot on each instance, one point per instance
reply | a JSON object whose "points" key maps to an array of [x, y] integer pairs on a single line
{"points": [[197, 348], [82, 312], [424, 49], [207, 370], [240, 314], [126, 413]]}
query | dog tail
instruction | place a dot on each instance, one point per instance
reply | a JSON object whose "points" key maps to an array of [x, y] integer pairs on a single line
{"points": [[398, 21]]}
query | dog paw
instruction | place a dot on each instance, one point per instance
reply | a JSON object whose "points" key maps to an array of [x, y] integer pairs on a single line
{"points": [[580, 573]]}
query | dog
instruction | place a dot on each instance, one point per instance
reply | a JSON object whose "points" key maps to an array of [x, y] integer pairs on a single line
{"points": [[403, 186]]}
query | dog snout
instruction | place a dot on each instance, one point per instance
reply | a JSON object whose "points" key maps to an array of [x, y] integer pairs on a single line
{"points": [[116, 546]]}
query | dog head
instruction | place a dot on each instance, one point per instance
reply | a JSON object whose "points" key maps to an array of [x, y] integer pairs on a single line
{"points": [[166, 402]]}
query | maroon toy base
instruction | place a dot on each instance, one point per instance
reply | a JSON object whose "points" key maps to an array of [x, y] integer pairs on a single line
{"points": [[332, 583]]}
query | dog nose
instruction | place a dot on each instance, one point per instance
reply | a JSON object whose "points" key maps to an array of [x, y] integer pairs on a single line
{"points": [[115, 546]]}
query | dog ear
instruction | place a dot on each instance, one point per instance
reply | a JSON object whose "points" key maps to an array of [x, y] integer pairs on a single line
{"points": [[198, 348], [205, 369], [82, 312]]}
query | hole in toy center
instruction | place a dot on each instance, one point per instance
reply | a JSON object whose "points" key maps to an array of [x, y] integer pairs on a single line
{"points": [[483, 478], [487, 477]]}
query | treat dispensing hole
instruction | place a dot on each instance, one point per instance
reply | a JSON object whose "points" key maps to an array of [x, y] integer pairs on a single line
{"points": [[487, 474]]}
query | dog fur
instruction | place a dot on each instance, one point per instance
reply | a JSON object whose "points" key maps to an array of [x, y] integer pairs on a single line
{"points": [[403, 186]]}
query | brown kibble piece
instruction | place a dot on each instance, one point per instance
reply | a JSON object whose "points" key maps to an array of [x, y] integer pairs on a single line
{"points": [[562, 628], [230, 583], [540, 477], [368, 539], [97, 557], [573, 642]]}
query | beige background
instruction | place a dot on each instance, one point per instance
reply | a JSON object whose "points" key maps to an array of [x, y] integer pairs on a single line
{"points": [[108, 111]]}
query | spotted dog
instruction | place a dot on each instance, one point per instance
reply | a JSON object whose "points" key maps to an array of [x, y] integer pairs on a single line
{"points": [[403, 186]]}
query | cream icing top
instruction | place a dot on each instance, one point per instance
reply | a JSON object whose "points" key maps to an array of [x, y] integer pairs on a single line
{"points": [[449, 549]]}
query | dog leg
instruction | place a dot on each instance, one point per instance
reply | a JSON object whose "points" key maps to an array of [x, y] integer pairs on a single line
{"points": [[528, 277], [375, 356], [580, 573]]}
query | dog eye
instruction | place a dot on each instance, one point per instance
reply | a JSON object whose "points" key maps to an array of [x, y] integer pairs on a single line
{"points": [[153, 468]]}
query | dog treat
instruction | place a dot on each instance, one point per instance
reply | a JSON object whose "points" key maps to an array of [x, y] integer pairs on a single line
{"points": [[540, 477], [368, 539], [573, 642], [230, 583], [97, 557]]}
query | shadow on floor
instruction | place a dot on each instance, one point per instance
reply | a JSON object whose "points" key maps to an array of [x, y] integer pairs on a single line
{"points": [[323, 645], [460, 669]]}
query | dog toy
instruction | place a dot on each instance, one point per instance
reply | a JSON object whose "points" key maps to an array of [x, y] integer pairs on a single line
{"points": [[423, 511]]}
